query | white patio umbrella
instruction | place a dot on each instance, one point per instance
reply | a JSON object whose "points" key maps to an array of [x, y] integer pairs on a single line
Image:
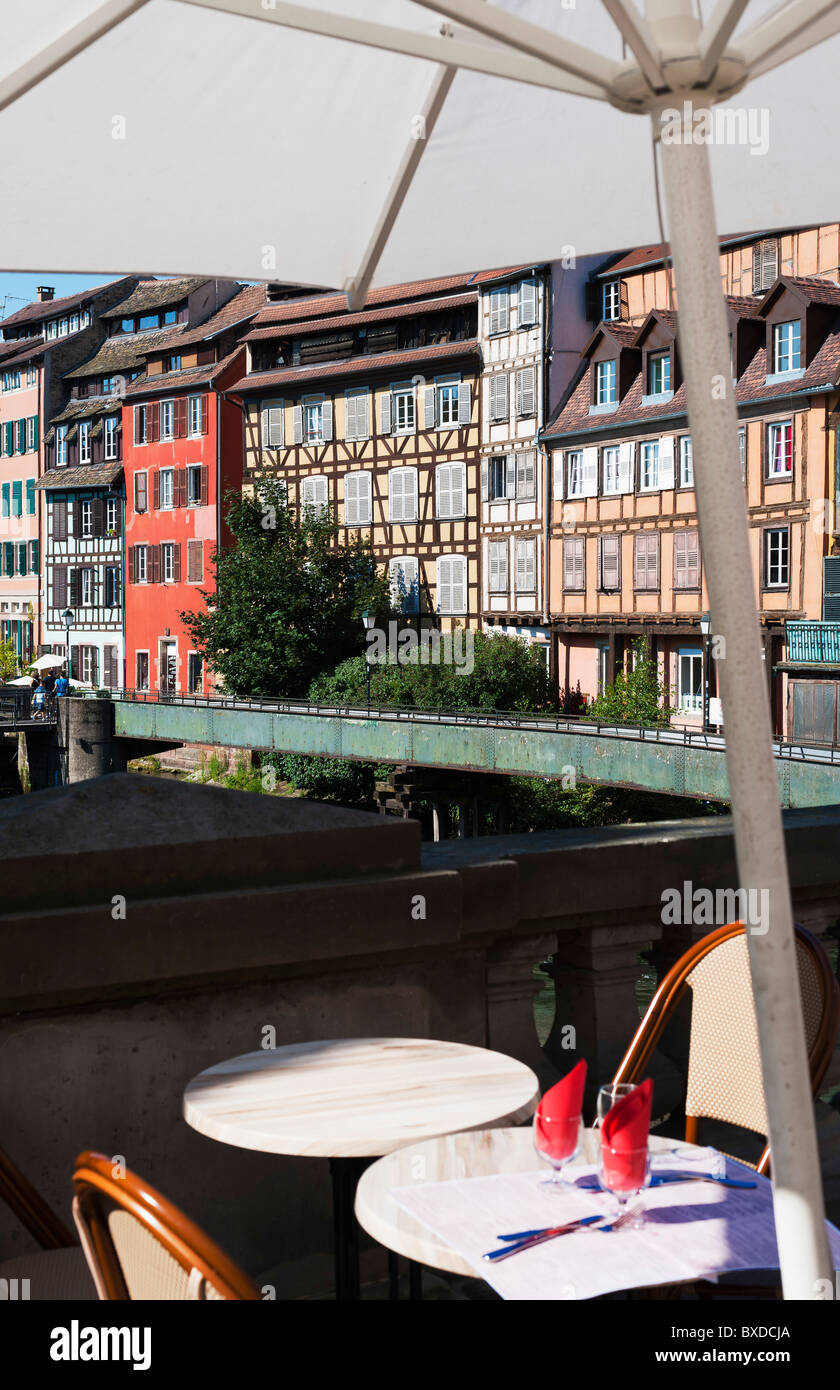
{"points": [[373, 141], [47, 663]]}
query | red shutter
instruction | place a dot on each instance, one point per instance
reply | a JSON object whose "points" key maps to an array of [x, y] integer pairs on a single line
{"points": [[204, 413], [180, 417], [179, 487], [153, 564], [156, 489], [60, 521], [141, 496], [74, 663], [204, 485], [132, 563], [176, 563], [152, 422], [138, 423], [59, 590]]}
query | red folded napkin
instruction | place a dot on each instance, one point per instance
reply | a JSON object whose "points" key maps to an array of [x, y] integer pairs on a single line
{"points": [[557, 1118], [624, 1139]]}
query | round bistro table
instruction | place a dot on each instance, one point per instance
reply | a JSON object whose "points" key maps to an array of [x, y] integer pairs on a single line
{"points": [[353, 1100]]}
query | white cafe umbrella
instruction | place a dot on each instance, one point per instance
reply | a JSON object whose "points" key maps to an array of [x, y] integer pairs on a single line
{"points": [[375, 141], [47, 663]]}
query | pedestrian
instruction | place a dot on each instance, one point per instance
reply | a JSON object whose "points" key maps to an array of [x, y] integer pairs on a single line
{"points": [[62, 685], [39, 700], [49, 682]]}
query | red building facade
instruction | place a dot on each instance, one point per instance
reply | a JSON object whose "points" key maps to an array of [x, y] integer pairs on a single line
{"points": [[182, 453]]}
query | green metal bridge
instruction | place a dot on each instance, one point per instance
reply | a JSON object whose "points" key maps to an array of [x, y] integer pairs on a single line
{"points": [[672, 761]]}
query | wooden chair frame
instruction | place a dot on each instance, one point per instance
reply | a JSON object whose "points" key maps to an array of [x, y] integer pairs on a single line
{"points": [[31, 1209], [195, 1252], [674, 987]]}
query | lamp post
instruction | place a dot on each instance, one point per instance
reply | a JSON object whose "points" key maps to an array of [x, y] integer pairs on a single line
{"points": [[368, 618], [705, 628], [68, 618]]}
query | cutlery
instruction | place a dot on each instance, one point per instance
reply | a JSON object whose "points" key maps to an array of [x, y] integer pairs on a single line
{"points": [[659, 1179], [541, 1230], [494, 1256]]}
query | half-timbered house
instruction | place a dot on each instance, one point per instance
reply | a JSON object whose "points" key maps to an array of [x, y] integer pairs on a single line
{"points": [[375, 414]]}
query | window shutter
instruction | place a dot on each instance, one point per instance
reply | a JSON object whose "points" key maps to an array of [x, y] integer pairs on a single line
{"points": [[396, 504], [351, 499], [203, 485], [362, 416], [666, 462], [17, 498], [526, 392], [271, 426], [179, 487], [132, 565], [653, 561], [74, 587], [410, 494], [498, 566], [444, 586], [590, 473], [429, 408], [74, 518], [385, 412], [21, 434], [98, 518], [624, 299], [458, 486], [526, 482], [153, 563], [525, 566], [153, 422], [527, 303], [297, 424], [320, 492], [74, 663], [156, 489], [510, 478], [459, 584], [138, 423], [140, 492], [59, 516], [692, 563], [640, 562], [499, 409], [351, 417], [179, 417], [609, 562], [499, 311], [485, 481], [365, 499], [574, 563], [557, 460], [59, 586], [464, 403], [626, 461], [444, 490], [205, 411], [176, 563], [327, 421]]}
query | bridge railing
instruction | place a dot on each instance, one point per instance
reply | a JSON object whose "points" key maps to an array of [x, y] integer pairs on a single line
{"points": [[19, 707]]}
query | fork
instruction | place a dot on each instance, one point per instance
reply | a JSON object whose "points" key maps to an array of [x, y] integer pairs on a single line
{"points": [[588, 1223]]}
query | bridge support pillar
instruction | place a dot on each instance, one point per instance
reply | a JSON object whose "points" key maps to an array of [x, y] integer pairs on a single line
{"points": [[86, 739], [511, 990]]}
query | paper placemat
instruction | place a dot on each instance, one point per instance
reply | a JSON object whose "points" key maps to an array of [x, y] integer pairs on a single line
{"points": [[692, 1230]]}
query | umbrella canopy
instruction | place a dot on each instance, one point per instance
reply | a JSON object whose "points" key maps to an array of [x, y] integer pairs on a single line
{"points": [[47, 663], [385, 140]]}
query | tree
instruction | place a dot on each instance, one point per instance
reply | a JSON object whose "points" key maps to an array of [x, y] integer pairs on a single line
{"points": [[8, 661], [289, 597], [636, 696]]}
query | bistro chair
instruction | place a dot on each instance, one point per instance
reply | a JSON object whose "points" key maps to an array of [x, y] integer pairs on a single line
{"points": [[139, 1246], [58, 1270], [724, 1069]]}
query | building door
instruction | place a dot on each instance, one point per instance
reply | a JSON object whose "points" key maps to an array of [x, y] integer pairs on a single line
{"points": [[168, 667]]}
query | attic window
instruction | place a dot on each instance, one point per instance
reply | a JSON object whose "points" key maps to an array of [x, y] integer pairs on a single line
{"points": [[787, 346], [765, 269], [605, 382], [659, 373], [611, 307]]}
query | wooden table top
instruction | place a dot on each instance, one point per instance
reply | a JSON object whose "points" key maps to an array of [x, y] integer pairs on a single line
{"points": [[357, 1097], [438, 1160]]}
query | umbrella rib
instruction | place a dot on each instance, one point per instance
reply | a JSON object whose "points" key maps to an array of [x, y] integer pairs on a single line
{"points": [[65, 47], [794, 29], [470, 52], [717, 33], [635, 30]]}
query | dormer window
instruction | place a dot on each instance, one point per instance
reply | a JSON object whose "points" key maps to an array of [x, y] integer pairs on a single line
{"points": [[659, 373], [172, 364], [611, 303], [787, 352], [605, 383]]}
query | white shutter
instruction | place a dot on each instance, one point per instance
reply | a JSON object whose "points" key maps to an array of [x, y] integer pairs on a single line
{"points": [[526, 392], [498, 557], [357, 415], [590, 473], [444, 586], [666, 461], [396, 495], [510, 478], [458, 485], [429, 407], [455, 584], [464, 403], [362, 415], [351, 499], [298, 424], [526, 485], [386, 413], [350, 416], [327, 421], [272, 426], [527, 303], [410, 494], [526, 566], [403, 574], [320, 492], [499, 407], [499, 311], [626, 454], [485, 481], [558, 474], [444, 490]]}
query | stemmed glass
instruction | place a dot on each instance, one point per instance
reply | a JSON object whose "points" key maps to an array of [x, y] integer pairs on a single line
{"points": [[625, 1173], [558, 1140], [607, 1097]]}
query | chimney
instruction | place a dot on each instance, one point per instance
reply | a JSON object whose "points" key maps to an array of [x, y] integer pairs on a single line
{"points": [[45, 294]]}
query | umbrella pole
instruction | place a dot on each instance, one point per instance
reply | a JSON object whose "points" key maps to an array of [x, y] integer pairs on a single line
{"points": [[753, 783]]}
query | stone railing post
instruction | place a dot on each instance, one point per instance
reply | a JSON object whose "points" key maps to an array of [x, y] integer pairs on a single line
{"points": [[511, 990]]}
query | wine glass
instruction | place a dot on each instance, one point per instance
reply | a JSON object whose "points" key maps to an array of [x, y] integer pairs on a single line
{"points": [[607, 1097], [557, 1140], [625, 1173]]}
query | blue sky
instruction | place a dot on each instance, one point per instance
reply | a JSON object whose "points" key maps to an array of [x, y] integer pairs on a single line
{"points": [[24, 287]]}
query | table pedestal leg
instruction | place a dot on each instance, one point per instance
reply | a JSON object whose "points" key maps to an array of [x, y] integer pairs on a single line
{"points": [[345, 1173], [415, 1280]]}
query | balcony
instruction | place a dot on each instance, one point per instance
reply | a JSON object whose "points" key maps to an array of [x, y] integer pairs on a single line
{"points": [[813, 643]]}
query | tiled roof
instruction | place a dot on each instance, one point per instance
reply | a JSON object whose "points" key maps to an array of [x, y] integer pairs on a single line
{"points": [[87, 407], [89, 475], [240, 307], [396, 311], [655, 255], [744, 306], [162, 382], [817, 291], [27, 349], [355, 366], [486, 277], [123, 353], [289, 310], [154, 294], [49, 308]]}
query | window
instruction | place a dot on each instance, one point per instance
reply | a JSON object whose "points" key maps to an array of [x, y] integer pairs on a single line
{"points": [[84, 318], [649, 481], [167, 419], [140, 424], [314, 493], [358, 499], [451, 490], [172, 363], [142, 677], [447, 403], [313, 422], [528, 302], [272, 425], [84, 442], [780, 449], [659, 373], [197, 415], [74, 323], [574, 564], [452, 584], [497, 557], [499, 405], [141, 496], [33, 557], [646, 562], [147, 321], [787, 355], [167, 562], [357, 408], [602, 658], [194, 491], [111, 424], [526, 392], [776, 557], [31, 433], [742, 453], [402, 494], [86, 513], [686, 560], [499, 311], [88, 665], [501, 478], [526, 476], [112, 515], [690, 680], [141, 561], [195, 673], [169, 316], [526, 565], [611, 480], [195, 562], [86, 587], [402, 409], [30, 497], [611, 302], [166, 480], [112, 586], [31, 376], [574, 484], [63, 328], [605, 383], [765, 269], [609, 563], [686, 461], [52, 329], [403, 575], [127, 325]]}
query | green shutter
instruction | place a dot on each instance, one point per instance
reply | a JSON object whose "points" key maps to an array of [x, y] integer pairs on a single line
{"points": [[35, 431], [21, 436], [8, 557], [17, 498], [21, 557], [4, 511], [10, 437], [30, 497], [33, 557]]}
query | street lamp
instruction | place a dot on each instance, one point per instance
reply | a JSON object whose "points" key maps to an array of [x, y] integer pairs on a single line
{"points": [[705, 628], [68, 618], [368, 618]]}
